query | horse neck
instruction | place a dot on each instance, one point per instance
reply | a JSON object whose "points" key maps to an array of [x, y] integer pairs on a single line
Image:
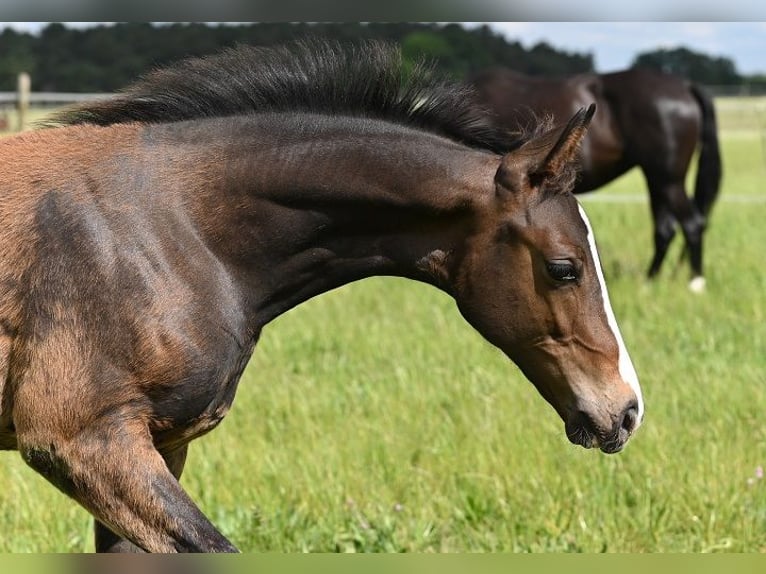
{"points": [[307, 204]]}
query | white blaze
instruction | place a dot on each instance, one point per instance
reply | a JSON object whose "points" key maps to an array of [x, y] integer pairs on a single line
{"points": [[627, 371]]}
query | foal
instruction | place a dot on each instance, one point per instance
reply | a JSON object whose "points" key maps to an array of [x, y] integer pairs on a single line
{"points": [[148, 239]]}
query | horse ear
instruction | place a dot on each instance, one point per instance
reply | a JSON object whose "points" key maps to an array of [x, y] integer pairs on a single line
{"points": [[546, 156], [567, 141]]}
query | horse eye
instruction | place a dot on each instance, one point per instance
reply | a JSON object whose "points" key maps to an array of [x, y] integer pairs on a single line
{"points": [[562, 271]]}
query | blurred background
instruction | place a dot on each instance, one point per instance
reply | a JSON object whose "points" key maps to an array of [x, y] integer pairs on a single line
{"points": [[65, 63]]}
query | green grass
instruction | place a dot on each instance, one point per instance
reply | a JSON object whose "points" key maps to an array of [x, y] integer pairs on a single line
{"points": [[374, 419]]}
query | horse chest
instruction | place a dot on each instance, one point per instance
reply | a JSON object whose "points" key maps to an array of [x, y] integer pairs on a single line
{"points": [[188, 356]]}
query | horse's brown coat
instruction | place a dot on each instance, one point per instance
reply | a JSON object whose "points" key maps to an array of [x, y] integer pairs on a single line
{"points": [[141, 260]]}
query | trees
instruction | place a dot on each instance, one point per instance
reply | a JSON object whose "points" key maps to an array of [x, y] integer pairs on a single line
{"points": [[16, 55], [106, 58], [698, 67]]}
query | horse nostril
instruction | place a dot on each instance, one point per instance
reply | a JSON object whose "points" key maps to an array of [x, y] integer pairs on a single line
{"points": [[629, 418]]}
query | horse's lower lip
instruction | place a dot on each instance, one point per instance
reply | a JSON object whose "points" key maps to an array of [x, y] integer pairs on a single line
{"points": [[616, 443], [612, 448]]}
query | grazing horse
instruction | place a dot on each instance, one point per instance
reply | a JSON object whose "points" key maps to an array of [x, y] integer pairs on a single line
{"points": [[148, 239], [645, 118]]}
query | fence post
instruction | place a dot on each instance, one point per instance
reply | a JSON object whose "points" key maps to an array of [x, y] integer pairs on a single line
{"points": [[24, 85]]}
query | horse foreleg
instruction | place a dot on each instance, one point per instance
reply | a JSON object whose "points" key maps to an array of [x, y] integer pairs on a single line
{"points": [[112, 469], [108, 541]]}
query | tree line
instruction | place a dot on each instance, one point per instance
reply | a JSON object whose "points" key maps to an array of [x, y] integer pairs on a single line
{"points": [[106, 58]]}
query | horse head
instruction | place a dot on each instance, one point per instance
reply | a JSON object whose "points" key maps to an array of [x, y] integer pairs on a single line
{"points": [[530, 282]]}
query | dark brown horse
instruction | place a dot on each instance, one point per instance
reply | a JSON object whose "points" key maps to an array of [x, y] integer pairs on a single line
{"points": [[148, 240], [647, 119]]}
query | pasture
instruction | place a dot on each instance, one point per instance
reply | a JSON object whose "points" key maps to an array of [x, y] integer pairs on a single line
{"points": [[374, 419]]}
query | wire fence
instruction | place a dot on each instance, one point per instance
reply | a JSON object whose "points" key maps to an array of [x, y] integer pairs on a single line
{"points": [[742, 90], [20, 109], [49, 98], [738, 111]]}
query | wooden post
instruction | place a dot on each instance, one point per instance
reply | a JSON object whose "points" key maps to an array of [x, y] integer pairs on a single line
{"points": [[24, 85]]}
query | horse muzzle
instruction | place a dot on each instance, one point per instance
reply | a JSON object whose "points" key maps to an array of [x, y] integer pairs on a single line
{"points": [[583, 429]]}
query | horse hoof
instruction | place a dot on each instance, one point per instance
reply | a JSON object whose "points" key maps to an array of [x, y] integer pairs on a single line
{"points": [[697, 285]]}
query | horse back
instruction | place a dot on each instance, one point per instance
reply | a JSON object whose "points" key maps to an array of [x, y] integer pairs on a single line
{"points": [[518, 101], [658, 115]]}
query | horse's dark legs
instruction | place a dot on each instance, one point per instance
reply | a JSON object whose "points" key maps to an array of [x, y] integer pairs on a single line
{"points": [[693, 228], [664, 231], [108, 541], [670, 204]]}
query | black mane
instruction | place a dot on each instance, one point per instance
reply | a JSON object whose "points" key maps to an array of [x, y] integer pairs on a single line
{"points": [[363, 79]]}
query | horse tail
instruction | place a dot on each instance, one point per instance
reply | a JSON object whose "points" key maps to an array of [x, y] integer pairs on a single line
{"points": [[709, 169]]}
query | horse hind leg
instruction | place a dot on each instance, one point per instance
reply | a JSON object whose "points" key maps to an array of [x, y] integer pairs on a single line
{"points": [[670, 204], [693, 228], [664, 232], [108, 541]]}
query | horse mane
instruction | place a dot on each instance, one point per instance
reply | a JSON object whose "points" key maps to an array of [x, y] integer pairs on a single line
{"points": [[364, 79]]}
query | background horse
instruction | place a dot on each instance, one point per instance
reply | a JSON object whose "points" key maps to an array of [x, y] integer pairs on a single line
{"points": [[646, 119], [148, 240]]}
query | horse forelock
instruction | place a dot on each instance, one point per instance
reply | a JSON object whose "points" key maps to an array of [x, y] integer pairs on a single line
{"points": [[366, 78]]}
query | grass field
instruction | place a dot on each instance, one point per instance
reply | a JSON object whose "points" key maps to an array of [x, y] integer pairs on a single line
{"points": [[374, 419]]}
